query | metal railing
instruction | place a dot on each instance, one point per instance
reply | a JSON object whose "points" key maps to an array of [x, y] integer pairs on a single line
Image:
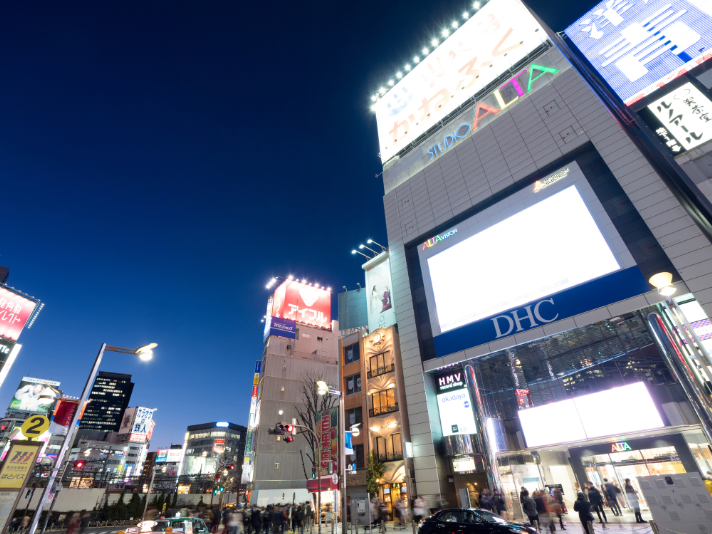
{"points": [[390, 456], [378, 371], [383, 410]]}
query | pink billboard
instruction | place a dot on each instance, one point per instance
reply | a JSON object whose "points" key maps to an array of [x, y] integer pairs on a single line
{"points": [[14, 313]]}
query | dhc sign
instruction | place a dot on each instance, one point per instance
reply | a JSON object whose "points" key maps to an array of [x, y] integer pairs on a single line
{"points": [[614, 287]]}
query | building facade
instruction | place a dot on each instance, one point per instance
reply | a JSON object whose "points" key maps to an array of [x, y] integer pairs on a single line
{"points": [[208, 443], [524, 225], [109, 398]]}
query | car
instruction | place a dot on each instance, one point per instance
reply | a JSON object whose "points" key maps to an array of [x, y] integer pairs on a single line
{"points": [[471, 521], [187, 525]]}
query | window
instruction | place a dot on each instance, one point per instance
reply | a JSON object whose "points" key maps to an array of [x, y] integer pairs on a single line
{"points": [[450, 516], [384, 402], [353, 384], [390, 448], [307, 336], [358, 452], [352, 354], [380, 364], [320, 338], [354, 416]]}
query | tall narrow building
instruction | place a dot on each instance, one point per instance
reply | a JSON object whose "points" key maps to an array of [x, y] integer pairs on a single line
{"points": [[109, 398]]}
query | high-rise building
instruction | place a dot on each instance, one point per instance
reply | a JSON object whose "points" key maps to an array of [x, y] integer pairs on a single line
{"points": [[301, 346], [552, 276], [109, 398], [205, 444]]}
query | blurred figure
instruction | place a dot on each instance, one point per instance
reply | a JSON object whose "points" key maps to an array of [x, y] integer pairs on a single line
{"points": [[583, 508], [73, 526], [486, 500], [632, 497], [529, 507], [611, 497], [558, 499], [596, 500], [498, 503]]}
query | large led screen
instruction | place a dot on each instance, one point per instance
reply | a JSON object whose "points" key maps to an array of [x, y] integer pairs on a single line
{"points": [[627, 409], [638, 46], [487, 44], [546, 248]]}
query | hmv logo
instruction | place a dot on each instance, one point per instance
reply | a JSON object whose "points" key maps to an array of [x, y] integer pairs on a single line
{"points": [[525, 318], [451, 381]]}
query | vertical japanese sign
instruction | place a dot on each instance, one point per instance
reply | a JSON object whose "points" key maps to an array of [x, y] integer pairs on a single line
{"points": [[327, 430], [246, 470], [682, 119]]}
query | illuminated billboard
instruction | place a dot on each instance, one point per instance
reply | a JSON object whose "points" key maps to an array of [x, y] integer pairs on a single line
{"points": [[640, 46], [35, 395], [627, 408], [127, 420], [14, 313], [456, 416], [567, 249], [381, 312], [302, 303], [169, 456], [487, 45]]}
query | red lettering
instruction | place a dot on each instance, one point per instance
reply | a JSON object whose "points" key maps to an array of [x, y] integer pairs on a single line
{"points": [[443, 95], [497, 52], [487, 110], [471, 71]]}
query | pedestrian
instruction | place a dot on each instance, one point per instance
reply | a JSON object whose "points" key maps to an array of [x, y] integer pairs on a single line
{"points": [[83, 522], [236, 521], [541, 511], [596, 500], [308, 515], [551, 507], [73, 526], [500, 506], [619, 495], [267, 518], [277, 521], [255, 520], [400, 510], [559, 506], [486, 500], [529, 507], [383, 514], [611, 497], [632, 497], [583, 508], [521, 493], [209, 518]]}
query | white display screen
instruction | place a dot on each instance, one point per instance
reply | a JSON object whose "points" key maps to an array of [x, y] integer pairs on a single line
{"points": [[546, 248], [456, 415], [557, 422], [606, 413]]}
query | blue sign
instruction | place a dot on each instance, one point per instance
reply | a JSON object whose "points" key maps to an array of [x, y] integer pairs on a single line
{"points": [[615, 287], [634, 45], [258, 366], [282, 327]]}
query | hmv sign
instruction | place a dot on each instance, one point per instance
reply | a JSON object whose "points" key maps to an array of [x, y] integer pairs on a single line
{"points": [[450, 381], [615, 287]]}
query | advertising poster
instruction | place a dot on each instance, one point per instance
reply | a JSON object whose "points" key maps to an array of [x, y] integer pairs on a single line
{"points": [[328, 424], [35, 395], [142, 421], [62, 418], [127, 421], [246, 471], [18, 465], [302, 303], [638, 47], [14, 313], [381, 313]]}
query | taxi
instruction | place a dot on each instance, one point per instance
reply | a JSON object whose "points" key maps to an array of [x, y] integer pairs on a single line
{"points": [[184, 525]]}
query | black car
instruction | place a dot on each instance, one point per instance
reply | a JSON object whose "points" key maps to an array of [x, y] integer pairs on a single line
{"points": [[471, 521]]}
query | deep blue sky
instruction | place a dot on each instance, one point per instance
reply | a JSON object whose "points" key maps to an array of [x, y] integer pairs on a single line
{"points": [[161, 160]]}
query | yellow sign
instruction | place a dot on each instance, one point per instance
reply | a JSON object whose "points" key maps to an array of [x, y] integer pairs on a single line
{"points": [[19, 462], [34, 426]]}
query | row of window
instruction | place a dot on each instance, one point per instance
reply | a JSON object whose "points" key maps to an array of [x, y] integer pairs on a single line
{"points": [[379, 364]]}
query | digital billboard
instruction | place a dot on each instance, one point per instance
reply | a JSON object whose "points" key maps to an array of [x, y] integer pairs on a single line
{"points": [[14, 313], [456, 416], [127, 420], [640, 46], [169, 456], [550, 246], [302, 303], [629, 409], [381, 312], [35, 395], [487, 44]]}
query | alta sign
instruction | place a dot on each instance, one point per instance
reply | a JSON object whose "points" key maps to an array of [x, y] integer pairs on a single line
{"points": [[620, 446], [433, 240], [482, 110]]}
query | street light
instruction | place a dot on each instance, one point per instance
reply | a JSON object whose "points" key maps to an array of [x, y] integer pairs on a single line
{"points": [[145, 353], [322, 389], [383, 249], [364, 246], [354, 251], [663, 282]]}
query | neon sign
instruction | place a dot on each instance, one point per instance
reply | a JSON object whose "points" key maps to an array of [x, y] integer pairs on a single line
{"points": [[482, 110], [620, 446], [541, 184], [431, 242]]}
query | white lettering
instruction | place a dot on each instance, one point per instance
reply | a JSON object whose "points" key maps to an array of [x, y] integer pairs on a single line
{"points": [[496, 325], [537, 314], [520, 319]]}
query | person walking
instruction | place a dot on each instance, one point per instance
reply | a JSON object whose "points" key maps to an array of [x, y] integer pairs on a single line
{"points": [[277, 520], [541, 511], [255, 520], [498, 503], [26, 522], [529, 507], [73, 525], [632, 497], [267, 519], [299, 519], [596, 500], [556, 507], [611, 497], [583, 507]]}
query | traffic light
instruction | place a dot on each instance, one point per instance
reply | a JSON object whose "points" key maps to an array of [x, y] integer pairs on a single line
{"points": [[28, 494], [313, 472], [78, 464], [231, 467], [288, 439], [215, 491], [222, 488]]}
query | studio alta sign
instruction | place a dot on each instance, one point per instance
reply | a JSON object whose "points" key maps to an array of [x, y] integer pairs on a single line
{"points": [[433, 240], [482, 109]]}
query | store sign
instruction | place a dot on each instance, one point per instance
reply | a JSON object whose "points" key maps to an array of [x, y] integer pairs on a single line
{"points": [[14, 313], [638, 47], [454, 380], [460, 465], [456, 416], [380, 310], [142, 421], [620, 446], [282, 327], [327, 424], [489, 43], [18, 464], [541, 184], [683, 118], [302, 303], [434, 240]]}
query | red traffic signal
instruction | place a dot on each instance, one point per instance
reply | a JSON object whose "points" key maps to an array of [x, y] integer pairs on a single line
{"points": [[289, 428], [78, 464], [288, 439], [231, 467]]}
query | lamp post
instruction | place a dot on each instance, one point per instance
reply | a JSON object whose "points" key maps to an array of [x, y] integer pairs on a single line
{"points": [[145, 353], [323, 389], [150, 485]]}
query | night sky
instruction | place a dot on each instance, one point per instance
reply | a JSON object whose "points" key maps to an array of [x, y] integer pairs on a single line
{"points": [[161, 160]]}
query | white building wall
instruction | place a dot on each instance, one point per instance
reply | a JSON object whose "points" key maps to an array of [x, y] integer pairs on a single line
{"points": [[515, 143]]}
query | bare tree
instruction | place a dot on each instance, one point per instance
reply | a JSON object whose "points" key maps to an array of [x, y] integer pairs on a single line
{"points": [[312, 403]]}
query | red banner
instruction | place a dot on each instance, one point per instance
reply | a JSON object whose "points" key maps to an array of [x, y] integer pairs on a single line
{"points": [[14, 312], [326, 484], [63, 415], [302, 303]]}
